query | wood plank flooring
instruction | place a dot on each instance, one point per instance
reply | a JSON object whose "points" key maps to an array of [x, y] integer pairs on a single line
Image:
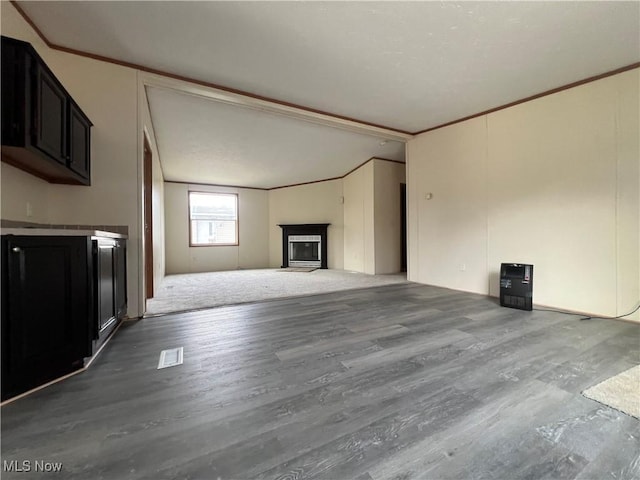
{"points": [[398, 382]]}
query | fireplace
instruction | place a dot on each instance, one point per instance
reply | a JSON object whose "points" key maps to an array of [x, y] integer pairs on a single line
{"points": [[304, 245], [305, 251]]}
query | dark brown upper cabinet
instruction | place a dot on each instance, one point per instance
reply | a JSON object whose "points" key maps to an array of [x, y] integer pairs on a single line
{"points": [[44, 131]]}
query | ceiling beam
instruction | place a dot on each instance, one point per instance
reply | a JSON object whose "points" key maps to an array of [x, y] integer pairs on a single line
{"points": [[242, 100]]}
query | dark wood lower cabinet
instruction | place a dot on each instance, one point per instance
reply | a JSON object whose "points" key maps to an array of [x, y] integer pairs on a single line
{"points": [[45, 310], [57, 293], [110, 286]]}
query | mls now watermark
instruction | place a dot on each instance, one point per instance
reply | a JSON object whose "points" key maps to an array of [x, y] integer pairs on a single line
{"points": [[17, 466]]}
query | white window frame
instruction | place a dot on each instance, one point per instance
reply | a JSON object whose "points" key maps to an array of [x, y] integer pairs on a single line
{"points": [[191, 220]]}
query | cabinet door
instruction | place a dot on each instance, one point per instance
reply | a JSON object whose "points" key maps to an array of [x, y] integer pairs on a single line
{"points": [[121, 278], [49, 115], [106, 302], [13, 84], [79, 142], [46, 310]]}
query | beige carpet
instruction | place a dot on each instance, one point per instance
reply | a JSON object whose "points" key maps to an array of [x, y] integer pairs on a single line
{"points": [[194, 291], [621, 392]]}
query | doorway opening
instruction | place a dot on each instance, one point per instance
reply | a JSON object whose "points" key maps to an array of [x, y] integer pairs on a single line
{"points": [[403, 227], [148, 218]]}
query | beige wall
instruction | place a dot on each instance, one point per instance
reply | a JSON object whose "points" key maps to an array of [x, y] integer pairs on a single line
{"points": [[159, 259], [553, 182], [372, 217], [320, 202], [448, 233], [387, 210], [157, 191], [253, 248], [359, 247], [628, 190], [108, 95], [314, 203], [18, 190]]}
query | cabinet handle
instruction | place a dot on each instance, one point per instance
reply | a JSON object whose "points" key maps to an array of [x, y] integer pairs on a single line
{"points": [[16, 249]]}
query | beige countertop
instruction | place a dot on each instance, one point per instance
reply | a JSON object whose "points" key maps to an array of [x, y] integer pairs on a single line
{"points": [[55, 232]]}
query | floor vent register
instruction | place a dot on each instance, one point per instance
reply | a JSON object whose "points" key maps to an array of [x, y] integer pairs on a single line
{"points": [[170, 358]]}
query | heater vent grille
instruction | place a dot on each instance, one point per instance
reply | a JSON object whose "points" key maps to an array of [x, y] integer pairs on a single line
{"points": [[514, 301]]}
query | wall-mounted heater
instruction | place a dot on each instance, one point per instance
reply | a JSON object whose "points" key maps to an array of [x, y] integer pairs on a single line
{"points": [[516, 285]]}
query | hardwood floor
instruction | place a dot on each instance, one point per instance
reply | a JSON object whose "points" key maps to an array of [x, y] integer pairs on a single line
{"points": [[404, 381]]}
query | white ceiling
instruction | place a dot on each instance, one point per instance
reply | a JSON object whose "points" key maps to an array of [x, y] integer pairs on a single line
{"points": [[404, 65], [205, 141]]}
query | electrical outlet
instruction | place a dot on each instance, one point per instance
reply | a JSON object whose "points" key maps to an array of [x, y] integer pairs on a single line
{"points": [[463, 267], [29, 209]]}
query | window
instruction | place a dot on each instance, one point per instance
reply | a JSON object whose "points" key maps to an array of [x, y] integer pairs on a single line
{"points": [[213, 218]]}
